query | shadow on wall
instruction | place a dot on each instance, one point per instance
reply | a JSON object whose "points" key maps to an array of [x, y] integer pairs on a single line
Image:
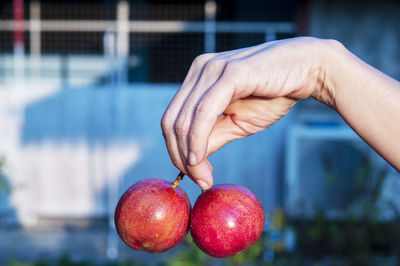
{"points": [[78, 143], [79, 150]]}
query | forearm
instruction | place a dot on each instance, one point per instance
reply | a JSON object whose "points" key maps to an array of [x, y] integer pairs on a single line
{"points": [[367, 99]]}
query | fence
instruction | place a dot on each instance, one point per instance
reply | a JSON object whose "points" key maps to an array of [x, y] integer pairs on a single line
{"points": [[144, 49], [115, 44]]}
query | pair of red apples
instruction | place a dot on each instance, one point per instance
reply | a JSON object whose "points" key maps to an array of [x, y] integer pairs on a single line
{"points": [[154, 215]]}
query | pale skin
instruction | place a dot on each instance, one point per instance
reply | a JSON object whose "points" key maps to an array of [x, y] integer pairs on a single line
{"points": [[231, 95]]}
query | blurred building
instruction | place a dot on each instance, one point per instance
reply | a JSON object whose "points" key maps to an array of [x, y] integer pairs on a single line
{"points": [[83, 85], [162, 38], [116, 52]]}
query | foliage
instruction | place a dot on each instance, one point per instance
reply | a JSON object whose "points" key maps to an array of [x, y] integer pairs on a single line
{"points": [[360, 234], [358, 238], [4, 185], [191, 255], [355, 177], [251, 256]]}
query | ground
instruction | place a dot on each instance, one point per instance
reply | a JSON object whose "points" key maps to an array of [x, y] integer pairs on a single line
{"points": [[79, 240]]}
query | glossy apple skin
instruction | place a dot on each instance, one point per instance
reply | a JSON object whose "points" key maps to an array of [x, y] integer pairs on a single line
{"points": [[152, 216], [226, 220]]}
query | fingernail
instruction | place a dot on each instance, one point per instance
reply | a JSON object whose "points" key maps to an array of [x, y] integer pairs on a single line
{"points": [[202, 184], [192, 158]]}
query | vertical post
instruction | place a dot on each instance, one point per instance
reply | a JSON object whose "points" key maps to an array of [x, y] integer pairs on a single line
{"points": [[64, 70], [210, 10], [112, 179], [270, 35], [291, 185], [122, 39], [19, 52], [122, 53], [109, 41], [27, 216], [35, 46]]}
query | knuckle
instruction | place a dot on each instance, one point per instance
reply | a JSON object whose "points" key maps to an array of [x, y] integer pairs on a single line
{"points": [[166, 122], [202, 59], [181, 127], [335, 43], [202, 110], [195, 139], [233, 67], [216, 64]]}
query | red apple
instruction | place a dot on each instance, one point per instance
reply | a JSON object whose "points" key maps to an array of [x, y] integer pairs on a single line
{"points": [[152, 215], [226, 220]]}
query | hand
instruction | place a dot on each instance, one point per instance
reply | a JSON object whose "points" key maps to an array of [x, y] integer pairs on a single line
{"points": [[231, 95]]}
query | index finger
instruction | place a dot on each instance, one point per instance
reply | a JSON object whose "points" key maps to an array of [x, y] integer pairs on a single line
{"points": [[206, 113]]}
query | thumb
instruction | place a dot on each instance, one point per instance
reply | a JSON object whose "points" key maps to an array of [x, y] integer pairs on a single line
{"points": [[223, 132], [246, 117]]}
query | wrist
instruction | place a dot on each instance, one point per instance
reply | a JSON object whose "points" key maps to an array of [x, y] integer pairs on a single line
{"points": [[331, 53]]}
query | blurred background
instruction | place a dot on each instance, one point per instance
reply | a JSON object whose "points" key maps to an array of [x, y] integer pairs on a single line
{"points": [[83, 86]]}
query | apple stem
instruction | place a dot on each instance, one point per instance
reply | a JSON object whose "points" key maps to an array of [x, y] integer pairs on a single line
{"points": [[178, 179]]}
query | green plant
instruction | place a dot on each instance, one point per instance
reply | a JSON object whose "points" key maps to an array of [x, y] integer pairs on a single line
{"points": [[4, 185], [359, 235], [354, 181], [190, 255], [251, 256]]}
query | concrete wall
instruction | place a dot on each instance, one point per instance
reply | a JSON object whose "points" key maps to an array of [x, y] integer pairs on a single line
{"points": [[370, 29], [67, 150], [70, 152]]}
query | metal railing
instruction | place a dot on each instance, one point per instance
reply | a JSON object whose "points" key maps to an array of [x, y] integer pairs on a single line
{"points": [[122, 27]]}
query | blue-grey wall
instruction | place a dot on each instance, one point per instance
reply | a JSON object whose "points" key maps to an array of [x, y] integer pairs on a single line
{"points": [[103, 116]]}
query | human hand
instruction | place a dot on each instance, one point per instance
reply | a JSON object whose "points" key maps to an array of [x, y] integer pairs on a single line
{"points": [[231, 95]]}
